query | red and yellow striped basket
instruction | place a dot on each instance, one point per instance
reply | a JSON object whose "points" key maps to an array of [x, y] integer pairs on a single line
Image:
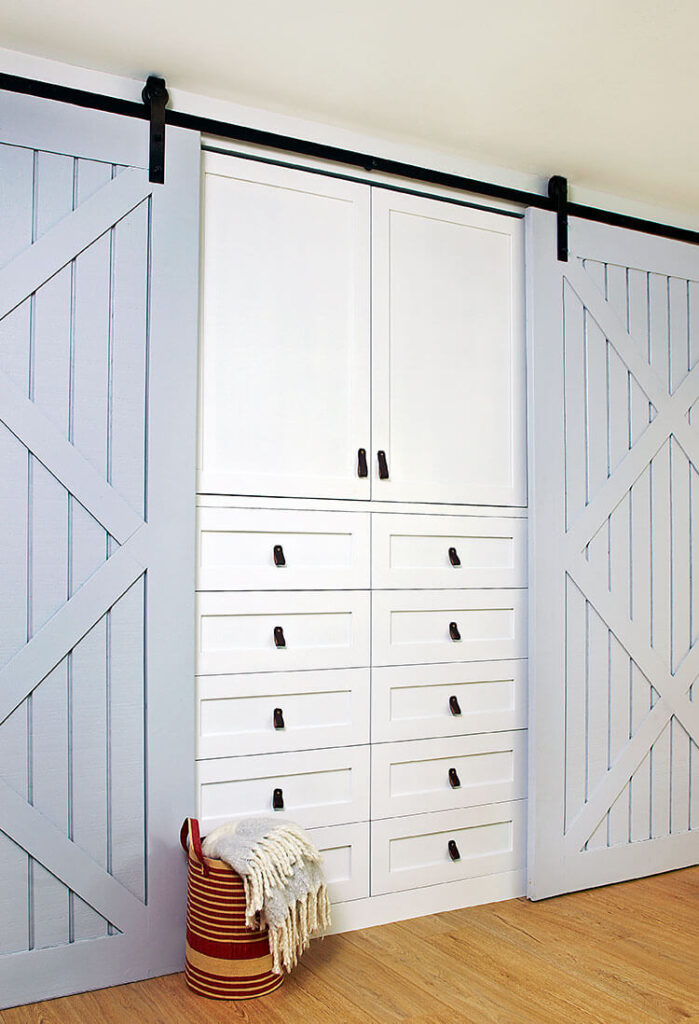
{"points": [[224, 959]]}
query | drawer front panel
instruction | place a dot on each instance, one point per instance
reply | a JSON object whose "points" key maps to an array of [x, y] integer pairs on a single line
{"points": [[415, 627], [236, 713], [417, 701], [236, 632], [236, 549], [319, 787], [345, 851], [408, 853], [434, 775], [416, 551]]}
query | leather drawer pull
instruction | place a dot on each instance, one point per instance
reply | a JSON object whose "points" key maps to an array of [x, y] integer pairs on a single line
{"points": [[279, 719], [362, 468], [278, 800], [383, 465], [454, 780], [453, 557], [454, 631], [453, 850], [454, 705], [279, 555], [279, 640]]}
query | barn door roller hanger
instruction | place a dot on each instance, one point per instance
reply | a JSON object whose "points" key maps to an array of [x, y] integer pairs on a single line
{"points": [[155, 97]]}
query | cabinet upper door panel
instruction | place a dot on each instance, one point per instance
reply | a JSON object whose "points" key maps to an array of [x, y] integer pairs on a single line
{"points": [[285, 352], [448, 352]]}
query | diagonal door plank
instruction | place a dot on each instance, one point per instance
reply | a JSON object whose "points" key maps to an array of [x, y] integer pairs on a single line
{"points": [[40, 261], [69, 863], [63, 460], [46, 649]]}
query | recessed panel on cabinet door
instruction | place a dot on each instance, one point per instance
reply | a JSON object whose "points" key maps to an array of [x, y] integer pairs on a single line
{"points": [[313, 788], [458, 771], [448, 352], [407, 853], [268, 632], [285, 361], [345, 853], [417, 701], [448, 551], [278, 711], [281, 549], [413, 627]]}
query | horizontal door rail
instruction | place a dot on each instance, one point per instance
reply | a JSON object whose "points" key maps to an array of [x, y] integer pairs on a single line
{"points": [[336, 154]]}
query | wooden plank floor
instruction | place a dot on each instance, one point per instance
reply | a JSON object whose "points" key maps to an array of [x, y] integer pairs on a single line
{"points": [[626, 954]]}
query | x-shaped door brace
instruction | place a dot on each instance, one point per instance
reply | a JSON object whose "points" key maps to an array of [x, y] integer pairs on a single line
{"points": [[26, 670], [671, 419]]}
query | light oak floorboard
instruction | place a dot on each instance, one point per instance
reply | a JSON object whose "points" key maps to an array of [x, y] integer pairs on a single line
{"points": [[623, 954]]}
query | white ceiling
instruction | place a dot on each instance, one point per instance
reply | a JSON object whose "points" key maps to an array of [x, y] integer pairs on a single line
{"points": [[603, 91]]}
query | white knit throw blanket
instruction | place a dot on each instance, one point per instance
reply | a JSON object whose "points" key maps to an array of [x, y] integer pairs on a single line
{"points": [[283, 879]]}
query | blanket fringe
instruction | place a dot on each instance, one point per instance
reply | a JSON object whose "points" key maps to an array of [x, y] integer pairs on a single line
{"points": [[270, 864]]}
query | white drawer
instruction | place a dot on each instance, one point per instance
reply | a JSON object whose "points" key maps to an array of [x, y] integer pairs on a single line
{"points": [[448, 551], [408, 853], [239, 714], [418, 776], [345, 850], [236, 549], [321, 629], [416, 701], [412, 627], [319, 787]]}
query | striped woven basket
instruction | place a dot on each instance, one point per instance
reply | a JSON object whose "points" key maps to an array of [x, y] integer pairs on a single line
{"points": [[224, 959]]}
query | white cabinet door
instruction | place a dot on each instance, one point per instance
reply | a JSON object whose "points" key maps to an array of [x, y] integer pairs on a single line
{"points": [[285, 363], [448, 352]]}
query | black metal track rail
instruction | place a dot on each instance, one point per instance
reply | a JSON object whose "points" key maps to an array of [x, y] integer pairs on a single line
{"points": [[336, 154]]}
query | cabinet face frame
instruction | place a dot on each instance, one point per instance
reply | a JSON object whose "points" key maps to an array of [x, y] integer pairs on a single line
{"points": [[222, 431], [437, 475]]}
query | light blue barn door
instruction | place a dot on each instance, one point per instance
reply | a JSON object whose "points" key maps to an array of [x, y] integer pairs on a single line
{"points": [[98, 322], [614, 559]]}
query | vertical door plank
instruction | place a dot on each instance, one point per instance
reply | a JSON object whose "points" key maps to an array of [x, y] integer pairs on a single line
{"points": [[92, 297], [658, 326], [126, 739], [575, 407], [128, 356], [16, 227], [48, 566], [597, 712], [661, 784], [680, 571], [89, 768], [679, 778], [640, 332], [576, 669], [640, 696], [679, 332]]}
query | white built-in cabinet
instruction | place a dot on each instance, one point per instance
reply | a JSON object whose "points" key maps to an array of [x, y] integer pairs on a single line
{"points": [[338, 318], [361, 613]]}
